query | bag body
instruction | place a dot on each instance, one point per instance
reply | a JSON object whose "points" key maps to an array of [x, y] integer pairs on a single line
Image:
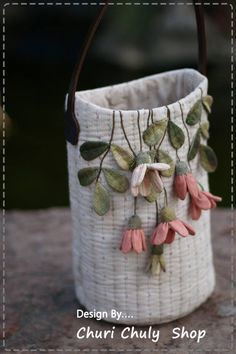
{"points": [[105, 278]]}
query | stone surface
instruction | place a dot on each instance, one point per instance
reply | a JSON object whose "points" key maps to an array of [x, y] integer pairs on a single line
{"points": [[41, 303]]}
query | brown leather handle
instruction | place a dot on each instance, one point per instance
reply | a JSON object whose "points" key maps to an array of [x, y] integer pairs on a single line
{"points": [[201, 32], [72, 128]]}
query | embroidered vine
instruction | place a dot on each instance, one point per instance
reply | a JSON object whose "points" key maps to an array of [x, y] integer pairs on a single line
{"points": [[108, 147], [149, 168], [125, 135], [139, 132]]}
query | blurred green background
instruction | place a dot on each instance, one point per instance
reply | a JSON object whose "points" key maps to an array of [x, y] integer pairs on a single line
{"points": [[42, 44]]}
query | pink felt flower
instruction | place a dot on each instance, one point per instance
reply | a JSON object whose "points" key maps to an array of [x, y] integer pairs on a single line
{"points": [[133, 238], [203, 201], [212, 198], [146, 175], [185, 183], [165, 231]]}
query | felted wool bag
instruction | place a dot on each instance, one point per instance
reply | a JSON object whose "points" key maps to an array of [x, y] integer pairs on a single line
{"points": [[140, 203]]}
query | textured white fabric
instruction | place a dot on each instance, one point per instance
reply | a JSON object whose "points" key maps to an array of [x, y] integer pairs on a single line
{"points": [[105, 278]]}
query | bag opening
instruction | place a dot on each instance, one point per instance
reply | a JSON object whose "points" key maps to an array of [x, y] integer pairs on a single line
{"points": [[147, 93]]}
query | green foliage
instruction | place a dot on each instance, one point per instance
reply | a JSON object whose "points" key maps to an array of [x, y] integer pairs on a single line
{"points": [[176, 135], [90, 150], [87, 175], [123, 157], [115, 180], [208, 158], [194, 115], [155, 132], [194, 147], [101, 200]]}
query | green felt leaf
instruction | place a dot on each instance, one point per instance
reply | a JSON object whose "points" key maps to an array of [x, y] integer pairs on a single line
{"points": [[205, 130], [87, 175], [163, 156], [194, 115], [194, 147], [124, 158], [90, 150], [101, 200], [207, 102], [176, 135], [155, 132], [115, 180], [208, 158]]}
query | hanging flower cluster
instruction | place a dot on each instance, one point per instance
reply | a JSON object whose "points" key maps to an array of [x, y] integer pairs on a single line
{"points": [[185, 183], [148, 169]]}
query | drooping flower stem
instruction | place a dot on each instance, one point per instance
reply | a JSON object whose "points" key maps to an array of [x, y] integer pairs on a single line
{"points": [[165, 196], [152, 114], [186, 128], [157, 212], [139, 132], [201, 92], [199, 123], [148, 118], [125, 135], [152, 119], [109, 146], [135, 205], [169, 119], [184, 123], [163, 137], [177, 155]]}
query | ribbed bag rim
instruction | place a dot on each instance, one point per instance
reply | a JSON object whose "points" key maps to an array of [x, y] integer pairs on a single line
{"points": [[174, 105]]}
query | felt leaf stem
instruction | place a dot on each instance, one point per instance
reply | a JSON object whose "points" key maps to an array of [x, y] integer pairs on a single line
{"points": [[194, 147]]}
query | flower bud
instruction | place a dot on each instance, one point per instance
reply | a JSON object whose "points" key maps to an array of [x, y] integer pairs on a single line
{"points": [[181, 168], [135, 222], [167, 214], [143, 157], [156, 262]]}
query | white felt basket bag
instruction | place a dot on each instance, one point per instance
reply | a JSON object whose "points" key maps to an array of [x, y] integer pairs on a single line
{"points": [[138, 164]]}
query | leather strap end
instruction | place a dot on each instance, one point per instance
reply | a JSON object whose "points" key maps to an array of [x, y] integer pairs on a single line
{"points": [[71, 128]]}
